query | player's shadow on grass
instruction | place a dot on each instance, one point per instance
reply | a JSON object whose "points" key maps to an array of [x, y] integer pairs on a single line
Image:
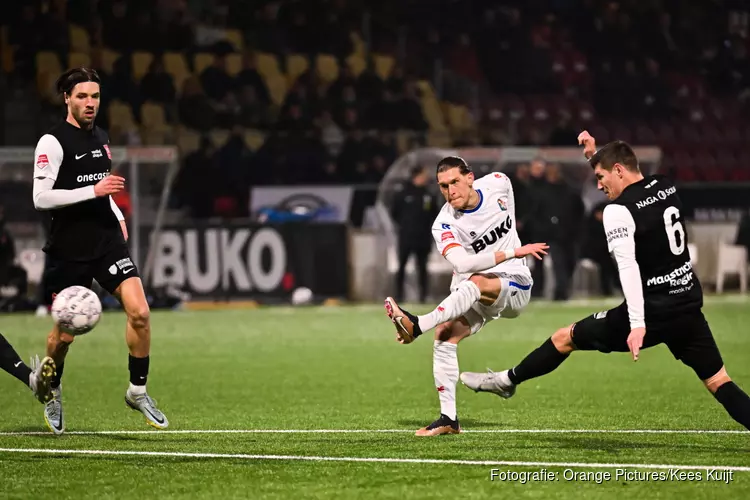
{"points": [[465, 423]]}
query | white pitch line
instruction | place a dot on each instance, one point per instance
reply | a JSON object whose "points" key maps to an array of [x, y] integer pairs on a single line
{"points": [[242, 456], [380, 431]]}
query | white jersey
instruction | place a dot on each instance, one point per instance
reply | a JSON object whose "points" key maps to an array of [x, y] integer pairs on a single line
{"points": [[486, 228]]}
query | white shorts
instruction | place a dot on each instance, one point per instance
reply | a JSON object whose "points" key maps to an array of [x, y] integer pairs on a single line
{"points": [[515, 294]]}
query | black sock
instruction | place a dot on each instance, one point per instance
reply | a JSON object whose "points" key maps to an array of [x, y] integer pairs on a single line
{"points": [[138, 370], [735, 402], [11, 362], [541, 361], [55, 383]]}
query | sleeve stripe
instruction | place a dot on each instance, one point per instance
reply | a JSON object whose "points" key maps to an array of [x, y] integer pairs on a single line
{"points": [[449, 247]]}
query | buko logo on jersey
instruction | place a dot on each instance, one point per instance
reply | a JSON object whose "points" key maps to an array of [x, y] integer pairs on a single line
{"points": [[492, 236]]}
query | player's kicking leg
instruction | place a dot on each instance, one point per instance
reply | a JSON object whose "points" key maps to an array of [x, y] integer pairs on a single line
{"points": [[37, 377], [483, 288], [138, 336]]}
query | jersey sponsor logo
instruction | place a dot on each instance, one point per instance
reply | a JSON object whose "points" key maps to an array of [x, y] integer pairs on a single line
{"points": [[492, 237], [447, 236], [617, 233], [97, 153], [502, 204], [92, 177], [445, 226], [109, 153], [663, 194], [42, 161], [125, 265], [679, 277], [498, 175]]}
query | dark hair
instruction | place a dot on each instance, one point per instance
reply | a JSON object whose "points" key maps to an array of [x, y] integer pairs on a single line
{"points": [[615, 152], [73, 77], [450, 162]]}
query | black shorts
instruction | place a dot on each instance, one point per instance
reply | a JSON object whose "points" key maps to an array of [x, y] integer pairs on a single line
{"points": [[109, 271], [688, 337]]}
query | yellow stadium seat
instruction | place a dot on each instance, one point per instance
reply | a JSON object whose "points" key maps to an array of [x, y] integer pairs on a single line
{"points": [[267, 64], [277, 87], [458, 117], [327, 67], [48, 61], [358, 43], [254, 139], [439, 139], [383, 65], [202, 61], [7, 59], [176, 66], [296, 64], [153, 116], [425, 88], [235, 38], [433, 114], [234, 64], [156, 137], [188, 141], [356, 64], [219, 137], [79, 39], [141, 62], [121, 117], [108, 59], [78, 59]]}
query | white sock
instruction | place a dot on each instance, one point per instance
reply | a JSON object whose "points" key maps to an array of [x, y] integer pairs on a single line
{"points": [[32, 381], [445, 371], [452, 307], [137, 389]]}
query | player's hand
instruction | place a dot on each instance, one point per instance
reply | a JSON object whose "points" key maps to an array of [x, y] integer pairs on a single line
{"points": [[112, 184], [535, 249], [588, 142], [635, 341]]}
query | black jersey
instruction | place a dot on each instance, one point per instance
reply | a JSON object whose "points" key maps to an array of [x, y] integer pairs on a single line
{"points": [[647, 221], [76, 158]]}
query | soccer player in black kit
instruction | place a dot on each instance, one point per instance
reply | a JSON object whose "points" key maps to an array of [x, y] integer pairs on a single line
{"points": [[663, 298], [87, 238]]}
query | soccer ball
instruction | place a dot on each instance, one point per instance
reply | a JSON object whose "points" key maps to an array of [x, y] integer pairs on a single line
{"points": [[76, 310], [301, 296]]}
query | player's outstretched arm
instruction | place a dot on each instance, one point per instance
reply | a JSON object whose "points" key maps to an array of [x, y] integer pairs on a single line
{"points": [[462, 262], [619, 228]]}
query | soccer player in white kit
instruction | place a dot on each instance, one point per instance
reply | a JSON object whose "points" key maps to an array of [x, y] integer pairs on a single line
{"points": [[476, 232]]}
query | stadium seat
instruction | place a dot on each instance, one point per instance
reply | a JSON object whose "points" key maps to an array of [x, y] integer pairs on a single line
{"points": [[188, 141], [433, 114], [356, 64], [383, 65], [267, 64], [78, 59], [141, 62], [32, 261], [358, 43], [731, 260], [153, 116], [108, 59], [219, 137], [48, 62], [425, 89], [235, 37], [234, 64], [79, 39], [202, 61], [277, 88], [327, 67], [296, 64], [458, 117], [176, 66], [121, 118], [254, 139]]}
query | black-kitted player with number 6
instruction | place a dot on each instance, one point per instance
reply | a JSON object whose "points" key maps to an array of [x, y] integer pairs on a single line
{"points": [[663, 297]]}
